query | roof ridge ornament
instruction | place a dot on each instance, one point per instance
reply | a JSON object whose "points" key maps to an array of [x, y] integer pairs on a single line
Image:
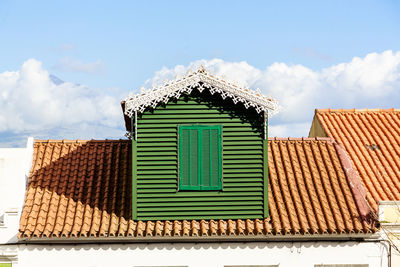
{"points": [[201, 69], [200, 80]]}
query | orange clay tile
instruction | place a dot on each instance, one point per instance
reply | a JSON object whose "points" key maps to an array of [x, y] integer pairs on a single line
{"points": [[82, 189], [371, 137]]}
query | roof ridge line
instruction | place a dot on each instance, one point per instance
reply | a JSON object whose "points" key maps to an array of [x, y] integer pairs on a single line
{"points": [[359, 192], [354, 110], [63, 141], [318, 138]]}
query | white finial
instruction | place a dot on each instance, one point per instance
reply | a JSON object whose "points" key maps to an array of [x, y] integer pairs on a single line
{"points": [[202, 69]]}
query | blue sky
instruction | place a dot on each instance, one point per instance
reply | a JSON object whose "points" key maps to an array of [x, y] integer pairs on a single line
{"points": [[106, 49]]}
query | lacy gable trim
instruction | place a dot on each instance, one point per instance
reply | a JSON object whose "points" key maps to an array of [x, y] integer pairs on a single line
{"points": [[199, 80]]}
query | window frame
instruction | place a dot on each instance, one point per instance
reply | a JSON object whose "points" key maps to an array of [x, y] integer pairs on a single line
{"points": [[200, 187]]}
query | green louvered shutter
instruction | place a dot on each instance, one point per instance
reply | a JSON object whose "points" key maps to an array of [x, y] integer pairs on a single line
{"points": [[193, 178], [189, 158], [200, 157], [184, 156], [5, 264]]}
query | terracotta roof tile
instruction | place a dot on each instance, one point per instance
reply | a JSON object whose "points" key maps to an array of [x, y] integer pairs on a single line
{"points": [[83, 189], [371, 137]]}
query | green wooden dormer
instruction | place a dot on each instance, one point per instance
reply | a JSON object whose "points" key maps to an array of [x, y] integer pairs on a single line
{"points": [[199, 150]]}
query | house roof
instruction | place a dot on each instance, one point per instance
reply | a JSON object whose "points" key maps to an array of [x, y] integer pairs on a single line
{"points": [[82, 189], [198, 80], [371, 137]]}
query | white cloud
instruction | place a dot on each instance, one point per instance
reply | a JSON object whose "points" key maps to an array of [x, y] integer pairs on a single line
{"points": [[289, 129], [372, 81], [31, 103], [75, 65], [375, 75]]}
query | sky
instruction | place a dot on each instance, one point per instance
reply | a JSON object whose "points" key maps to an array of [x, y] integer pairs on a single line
{"points": [[66, 65]]}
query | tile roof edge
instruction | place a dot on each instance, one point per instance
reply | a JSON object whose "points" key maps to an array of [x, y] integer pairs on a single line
{"points": [[64, 141], [196, 239], [354, 110], [358, 190]]}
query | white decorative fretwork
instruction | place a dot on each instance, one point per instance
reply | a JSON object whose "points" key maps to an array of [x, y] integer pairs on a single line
{"points": [[199, 80]]}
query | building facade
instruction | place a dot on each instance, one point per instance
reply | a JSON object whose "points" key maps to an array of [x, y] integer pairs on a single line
{"points": [[371, 137], [198, 183]]}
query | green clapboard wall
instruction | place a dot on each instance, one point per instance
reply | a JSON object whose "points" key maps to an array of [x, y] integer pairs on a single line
{"points": [[155, 161]]}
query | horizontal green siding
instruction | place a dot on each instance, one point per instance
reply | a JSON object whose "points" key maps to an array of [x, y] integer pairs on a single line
{"points": [[158, 196]]}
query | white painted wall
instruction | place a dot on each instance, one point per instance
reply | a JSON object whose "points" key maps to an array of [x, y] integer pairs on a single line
{"points": [[285, 254], [15, 164], [12, 178]]}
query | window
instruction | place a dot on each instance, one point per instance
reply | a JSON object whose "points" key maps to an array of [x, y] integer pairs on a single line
{"points": [[200, 157]]}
